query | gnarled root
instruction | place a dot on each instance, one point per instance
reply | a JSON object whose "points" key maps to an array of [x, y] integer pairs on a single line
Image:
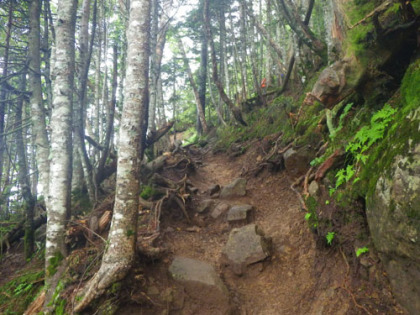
{"points": [[109, 273]]}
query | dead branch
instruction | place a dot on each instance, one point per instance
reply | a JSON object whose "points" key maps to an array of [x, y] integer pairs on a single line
{"points": [[154, 136]]}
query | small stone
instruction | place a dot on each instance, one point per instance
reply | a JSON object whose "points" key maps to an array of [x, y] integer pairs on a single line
{"points": [[205, 205], [237, 188], [239, 213], [220, 209], [313, 189]]}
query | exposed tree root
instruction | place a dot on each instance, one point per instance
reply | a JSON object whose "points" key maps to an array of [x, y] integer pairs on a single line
{"points": [[109, 273]]}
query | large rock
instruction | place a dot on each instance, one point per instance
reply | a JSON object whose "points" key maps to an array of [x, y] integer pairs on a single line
{"points": [[237, 188], [201, 283], [335, 83], [245, 246], [239, 214], [393, 214], [297, 161]]}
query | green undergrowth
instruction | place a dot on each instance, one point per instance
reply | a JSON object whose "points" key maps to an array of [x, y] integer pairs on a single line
{"points": [[261, 122], [372, 139], [16, 295]]}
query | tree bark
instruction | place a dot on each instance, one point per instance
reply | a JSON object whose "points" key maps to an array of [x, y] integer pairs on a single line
{"points": [[58, 205], [119, 255]]}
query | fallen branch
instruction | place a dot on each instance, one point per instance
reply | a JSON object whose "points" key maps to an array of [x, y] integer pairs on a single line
{"points": [[383, 7]]}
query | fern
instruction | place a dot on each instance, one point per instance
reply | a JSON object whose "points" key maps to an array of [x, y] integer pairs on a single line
{"points": [[362, 142]]}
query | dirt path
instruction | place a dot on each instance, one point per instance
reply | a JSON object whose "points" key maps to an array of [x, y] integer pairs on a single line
{"points": [[294, 280]]}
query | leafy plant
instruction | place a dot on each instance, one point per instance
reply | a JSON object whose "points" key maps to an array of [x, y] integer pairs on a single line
{"points": [[361, 251], [330, 237], [362, 142]]}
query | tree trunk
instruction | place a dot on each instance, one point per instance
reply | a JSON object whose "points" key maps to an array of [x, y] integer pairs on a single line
{"points": [[194, 87], [111, 111], [3, 92], [23, 177], [119, 255], [202, 72], [153, 64], [58, 205]]}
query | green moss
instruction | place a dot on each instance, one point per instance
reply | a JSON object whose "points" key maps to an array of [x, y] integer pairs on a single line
{"points": [[53, 264], [20, 292], [147, 192], [410, 87]]}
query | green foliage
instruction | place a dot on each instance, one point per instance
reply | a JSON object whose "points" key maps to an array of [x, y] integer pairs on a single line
{"points": [[20, 292], [261, 121], [361, 251], [364, 139], [330, 237], [341, 120]]}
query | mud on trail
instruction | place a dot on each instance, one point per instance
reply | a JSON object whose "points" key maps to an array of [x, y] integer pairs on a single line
{"points": [[298, 277]]}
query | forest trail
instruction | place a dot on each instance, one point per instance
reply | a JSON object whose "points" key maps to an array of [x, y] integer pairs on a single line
{"points": [[296, 279]]}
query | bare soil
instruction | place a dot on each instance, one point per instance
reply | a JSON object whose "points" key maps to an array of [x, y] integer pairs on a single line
{"points": [[299, 277]]}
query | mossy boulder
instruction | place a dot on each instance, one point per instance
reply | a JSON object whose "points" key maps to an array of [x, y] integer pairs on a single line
{"points": [[393, 213]]}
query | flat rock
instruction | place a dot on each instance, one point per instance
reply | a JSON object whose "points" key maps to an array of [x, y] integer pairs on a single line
{"points": [[239, 213], [220, 209], [246, 245], [201, 283], [237, 188], [205, 205]]}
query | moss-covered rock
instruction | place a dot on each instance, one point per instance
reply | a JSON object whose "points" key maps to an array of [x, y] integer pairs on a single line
{"points": [[393, 214]]}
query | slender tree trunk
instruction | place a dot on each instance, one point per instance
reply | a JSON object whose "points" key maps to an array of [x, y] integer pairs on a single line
{"points": [[23, 178], [37, 108], [194, 87], [111, 110], [202, 72], [119, 255], [3, 93], [153, 64], [47, 53], [58, 206], [79, 106]]}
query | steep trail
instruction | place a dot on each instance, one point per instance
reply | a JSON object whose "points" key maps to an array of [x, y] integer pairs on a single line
{"points": [[295, 279]]}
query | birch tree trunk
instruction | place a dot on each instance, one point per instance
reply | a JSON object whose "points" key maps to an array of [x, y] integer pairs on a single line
{"points": [[119, 255], [58, 205]]}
